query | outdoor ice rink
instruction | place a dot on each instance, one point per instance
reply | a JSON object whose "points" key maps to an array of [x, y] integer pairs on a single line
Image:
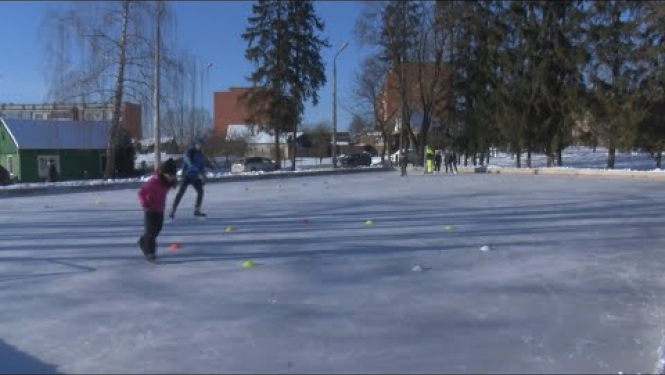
{"points": [[573, 280]]}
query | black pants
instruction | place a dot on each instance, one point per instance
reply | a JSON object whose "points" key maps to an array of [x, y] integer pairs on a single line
{"points": [[152, 222], [451, 164], [437, 166], [403, 166], [198, 186]]}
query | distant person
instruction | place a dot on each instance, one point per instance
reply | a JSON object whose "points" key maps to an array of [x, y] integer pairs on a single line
{"points": [[403, 162], [451, 161], [429, 160], [144, 167], [437, 161], [152, 197], [52, 173], [193, 173]]}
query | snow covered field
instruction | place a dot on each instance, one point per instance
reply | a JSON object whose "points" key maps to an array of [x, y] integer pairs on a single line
{"points": [[584, 158], [573, 280]]}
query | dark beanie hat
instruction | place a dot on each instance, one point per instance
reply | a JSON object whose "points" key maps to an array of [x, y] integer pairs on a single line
{"points": [[169, 167]]}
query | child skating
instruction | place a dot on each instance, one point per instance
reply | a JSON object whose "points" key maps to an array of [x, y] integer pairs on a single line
{"points": [[152, 197]]}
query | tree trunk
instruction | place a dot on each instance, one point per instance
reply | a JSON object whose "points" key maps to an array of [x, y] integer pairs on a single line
{"points": [[466, 159], [611, 154], [386, 145], [659, 155], [528, 157], [294, 146], [278, 151], [559, 156], [117, 104], [519, 160]]}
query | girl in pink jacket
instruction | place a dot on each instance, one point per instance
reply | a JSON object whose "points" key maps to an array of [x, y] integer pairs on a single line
{"points": [[152, 197]]}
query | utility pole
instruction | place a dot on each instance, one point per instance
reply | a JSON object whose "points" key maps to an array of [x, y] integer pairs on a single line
{"points": [[403, 83], [158, 42], [402, 112], [203, 73], [334, 134]]}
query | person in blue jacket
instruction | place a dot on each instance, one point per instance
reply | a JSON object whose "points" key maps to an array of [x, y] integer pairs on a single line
{"points": [[193, 173]]}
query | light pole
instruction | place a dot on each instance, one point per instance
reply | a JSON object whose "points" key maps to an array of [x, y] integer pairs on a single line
{"points": [[158, 42], [334, 134], [203, 73]]}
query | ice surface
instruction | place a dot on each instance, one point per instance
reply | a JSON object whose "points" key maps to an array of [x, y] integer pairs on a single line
{"points": [[575, 285]]}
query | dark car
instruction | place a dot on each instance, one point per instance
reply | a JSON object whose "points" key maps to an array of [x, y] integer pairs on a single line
{"points": [[254, 164], [356, 160], [5, 177]]}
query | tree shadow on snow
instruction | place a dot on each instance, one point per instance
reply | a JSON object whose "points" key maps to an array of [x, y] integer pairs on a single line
{"points": [[13, 361]]}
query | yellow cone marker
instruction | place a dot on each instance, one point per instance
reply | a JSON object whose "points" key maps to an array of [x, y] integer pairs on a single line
{"points": [[448, 227], [229, 229], [248, 264], [369, 222]]}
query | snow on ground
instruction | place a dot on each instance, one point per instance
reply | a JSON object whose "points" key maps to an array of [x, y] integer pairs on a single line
{"points": [[573, 158], [572, 281], [584, 158]]}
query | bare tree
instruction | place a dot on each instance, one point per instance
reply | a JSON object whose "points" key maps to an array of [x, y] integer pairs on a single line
{"points": [[320, 135], [366, 98], [104, 51]]}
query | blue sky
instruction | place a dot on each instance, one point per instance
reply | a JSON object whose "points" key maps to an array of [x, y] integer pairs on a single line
{"points": [[210, 29]]}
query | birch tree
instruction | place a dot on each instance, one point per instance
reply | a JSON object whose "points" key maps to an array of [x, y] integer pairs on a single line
{"points": [[104, 52]]}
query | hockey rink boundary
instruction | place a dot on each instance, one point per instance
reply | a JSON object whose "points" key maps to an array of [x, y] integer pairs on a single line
{"points": [[117, 185], [564, 172]]}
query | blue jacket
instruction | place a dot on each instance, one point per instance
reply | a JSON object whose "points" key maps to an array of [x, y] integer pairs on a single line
{"points": [[194, 163]]}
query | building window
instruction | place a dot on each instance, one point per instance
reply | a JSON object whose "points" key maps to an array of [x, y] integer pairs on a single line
{"points": [[10, 164], [61, 115], [37, 116], [102, 163], [88, 115], [42, 164]]}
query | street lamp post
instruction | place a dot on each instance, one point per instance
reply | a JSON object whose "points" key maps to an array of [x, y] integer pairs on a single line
{"points": [[156, 98], [334, 134], [203, 74]]}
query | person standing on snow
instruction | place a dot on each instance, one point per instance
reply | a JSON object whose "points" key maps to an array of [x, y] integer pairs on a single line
{"points": [[437, 161], [451, 161], [193, 173], [52, 173], [403, 163], [429, 157], [152, 197]]}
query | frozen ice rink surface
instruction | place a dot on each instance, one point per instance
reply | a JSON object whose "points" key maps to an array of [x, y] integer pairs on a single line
{"points": [[572, 281]]}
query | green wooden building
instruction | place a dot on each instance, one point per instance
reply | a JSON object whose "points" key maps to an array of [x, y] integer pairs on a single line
{"points": [[78, 148]]}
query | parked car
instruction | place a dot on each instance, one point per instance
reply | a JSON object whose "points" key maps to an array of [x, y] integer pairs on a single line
{"points": [[355, 160], [254, 164], [5, 177], [411, 156]]}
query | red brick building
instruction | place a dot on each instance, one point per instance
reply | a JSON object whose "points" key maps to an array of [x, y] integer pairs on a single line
{"points": [[228, 109], [436, 86]]}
